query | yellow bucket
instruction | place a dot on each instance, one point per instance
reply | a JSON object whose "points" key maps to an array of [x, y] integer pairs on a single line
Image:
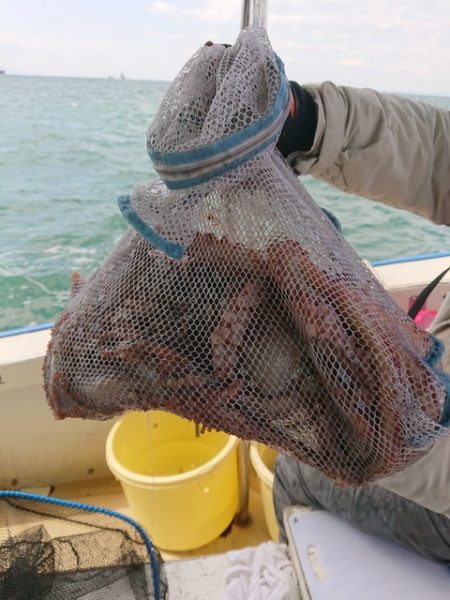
{"points": [[263, 460], [181, 486]]}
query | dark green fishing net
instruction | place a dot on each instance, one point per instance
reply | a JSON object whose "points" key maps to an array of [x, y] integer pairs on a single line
{"points": [[63, 551]]}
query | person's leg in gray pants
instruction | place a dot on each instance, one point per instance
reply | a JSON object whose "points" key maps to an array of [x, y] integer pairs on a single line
{"points": [[369, 508]]}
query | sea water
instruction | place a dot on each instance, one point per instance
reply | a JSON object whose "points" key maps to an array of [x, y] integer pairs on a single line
{"points": [[69, 147]]}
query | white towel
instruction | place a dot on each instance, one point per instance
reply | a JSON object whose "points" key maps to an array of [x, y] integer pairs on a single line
{"points": [[261, 573]]}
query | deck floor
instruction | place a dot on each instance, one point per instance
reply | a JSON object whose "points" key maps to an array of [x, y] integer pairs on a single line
{"points": [[108, 493], [193, 575]]}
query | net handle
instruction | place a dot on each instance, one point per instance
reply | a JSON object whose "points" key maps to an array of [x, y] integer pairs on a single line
{"points": [[254, 12]]}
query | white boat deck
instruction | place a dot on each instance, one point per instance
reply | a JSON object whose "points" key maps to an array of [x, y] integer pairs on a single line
{"points": [[192, 575], [197, 578]]}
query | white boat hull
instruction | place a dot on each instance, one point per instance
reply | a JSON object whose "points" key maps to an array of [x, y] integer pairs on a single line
{"points": [[35, 448]]}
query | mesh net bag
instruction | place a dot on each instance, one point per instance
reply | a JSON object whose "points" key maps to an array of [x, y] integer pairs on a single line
{"points": [[233, 300], [52, 549]]}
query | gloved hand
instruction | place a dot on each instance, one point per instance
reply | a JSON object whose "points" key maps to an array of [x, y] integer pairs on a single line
{"points": [[299, 129]]}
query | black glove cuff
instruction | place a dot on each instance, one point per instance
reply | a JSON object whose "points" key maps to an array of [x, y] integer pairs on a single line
{"points": [[299, 129]]}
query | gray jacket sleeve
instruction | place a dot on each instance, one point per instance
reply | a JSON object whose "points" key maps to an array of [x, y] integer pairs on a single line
{"points": [[383, 147], [427, 482]]}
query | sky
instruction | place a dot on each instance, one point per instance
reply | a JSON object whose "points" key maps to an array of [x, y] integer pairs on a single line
{"points": [[382, 44]]}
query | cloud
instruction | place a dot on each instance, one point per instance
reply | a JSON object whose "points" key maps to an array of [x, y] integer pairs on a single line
{"points": [[215, 11], [59, 45], [381, 44], [209, 11], [287, 18], [351, 62], [161, 7], [168, 35]]}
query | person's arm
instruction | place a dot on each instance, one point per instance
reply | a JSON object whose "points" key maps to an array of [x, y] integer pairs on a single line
{"points": [[380, 146]]}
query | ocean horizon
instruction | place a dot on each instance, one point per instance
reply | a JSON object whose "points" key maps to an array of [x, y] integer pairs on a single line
{"points": [[71, 145]]}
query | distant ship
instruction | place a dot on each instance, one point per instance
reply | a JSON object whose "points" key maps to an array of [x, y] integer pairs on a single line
{"points": [[2, 72], [122, 76]]}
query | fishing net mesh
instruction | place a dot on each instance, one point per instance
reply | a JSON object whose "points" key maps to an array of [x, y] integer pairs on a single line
{"points": [[267, 325], [218, 92], [55, 552]]}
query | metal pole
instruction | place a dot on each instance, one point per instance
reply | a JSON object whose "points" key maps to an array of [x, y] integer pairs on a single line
{"points": [[243, 516], [254, 12], [246, 14]]}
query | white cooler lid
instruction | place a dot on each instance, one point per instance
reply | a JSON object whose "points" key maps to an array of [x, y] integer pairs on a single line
{"points": [[335, 561]]}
